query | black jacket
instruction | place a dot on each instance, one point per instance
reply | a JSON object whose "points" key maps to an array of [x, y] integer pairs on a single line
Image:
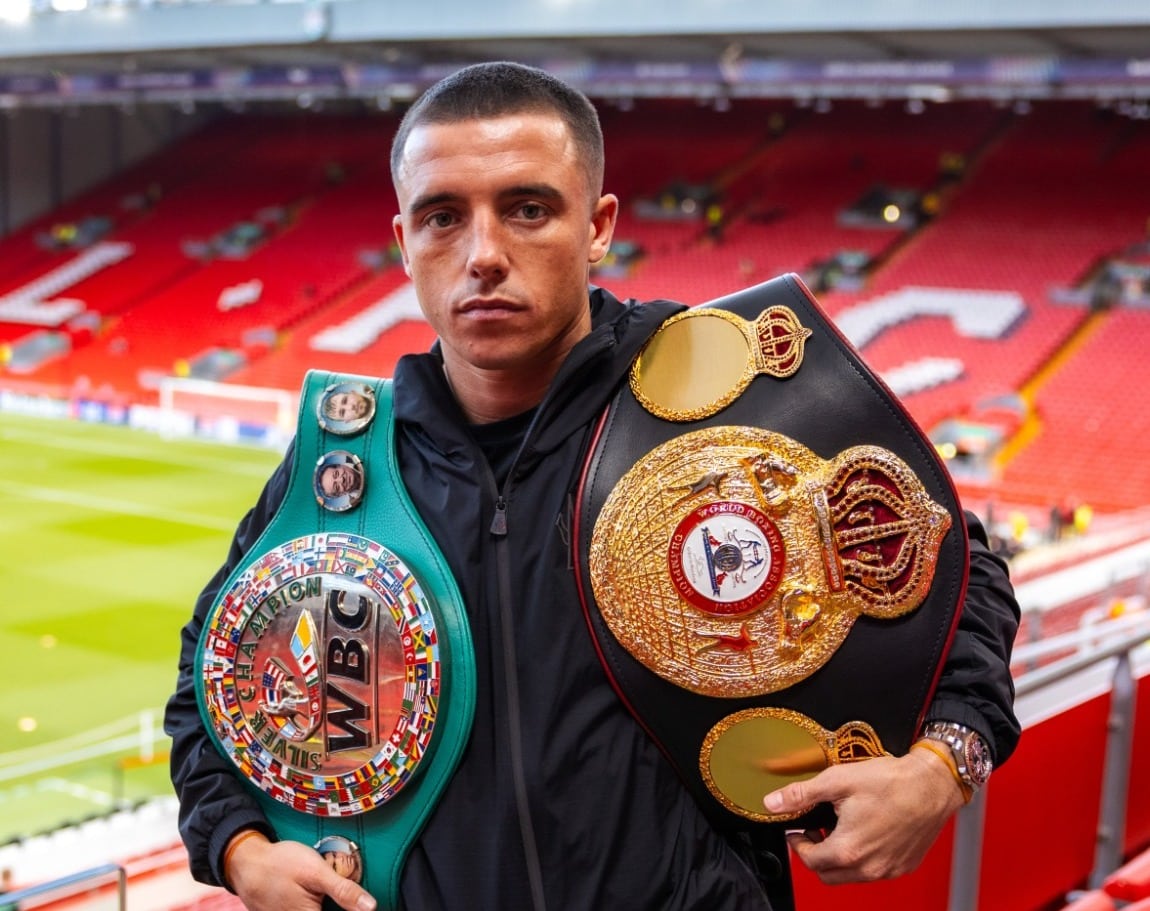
{"points": [[560, 797]]}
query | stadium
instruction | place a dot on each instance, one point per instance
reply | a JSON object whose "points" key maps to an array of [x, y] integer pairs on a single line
{"points": [[195, 210]]}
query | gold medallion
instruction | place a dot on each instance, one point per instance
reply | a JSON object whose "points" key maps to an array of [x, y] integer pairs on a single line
{"points": [[733, 561], [751, 753], [701, 360]]}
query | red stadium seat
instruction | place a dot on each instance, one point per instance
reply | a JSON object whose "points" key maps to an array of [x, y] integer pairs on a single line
{"points": [[1131, 881]]}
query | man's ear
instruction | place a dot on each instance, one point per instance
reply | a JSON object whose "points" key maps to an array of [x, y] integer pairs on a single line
{"points": [[397, 228], [602, 227]]}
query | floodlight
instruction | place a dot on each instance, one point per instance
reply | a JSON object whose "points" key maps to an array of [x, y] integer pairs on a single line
{"points": [[15, 10]]}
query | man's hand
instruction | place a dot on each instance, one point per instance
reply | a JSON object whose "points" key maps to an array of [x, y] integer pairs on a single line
{"points": [[890, 811], [288, 876]]}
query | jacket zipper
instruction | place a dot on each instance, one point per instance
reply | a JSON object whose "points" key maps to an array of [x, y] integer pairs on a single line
{"points": [[498, 531], [499, 520]]}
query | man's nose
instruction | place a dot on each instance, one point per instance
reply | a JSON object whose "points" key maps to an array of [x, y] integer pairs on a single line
{"points": [[488, 254]]}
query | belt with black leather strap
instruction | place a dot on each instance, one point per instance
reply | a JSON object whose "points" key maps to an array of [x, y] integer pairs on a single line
{"points": [[771, 555], [337, 670]]}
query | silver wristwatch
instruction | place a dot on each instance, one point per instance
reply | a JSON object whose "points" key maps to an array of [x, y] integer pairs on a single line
{"points": [[971, 753]]}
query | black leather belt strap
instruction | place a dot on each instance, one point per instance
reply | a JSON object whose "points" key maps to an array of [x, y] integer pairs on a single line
{"points": [[885, 670]]}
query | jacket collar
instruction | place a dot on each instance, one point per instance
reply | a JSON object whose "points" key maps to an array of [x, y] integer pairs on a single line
{"points": [[584, 385]]}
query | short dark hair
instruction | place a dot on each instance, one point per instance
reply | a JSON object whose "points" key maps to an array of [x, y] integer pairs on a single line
{"points": [[486, 90]]}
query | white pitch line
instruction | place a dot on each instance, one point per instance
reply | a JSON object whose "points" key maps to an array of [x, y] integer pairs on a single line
{"points": [[60, 785], [47, 440], [79, 791], [116, 506]]}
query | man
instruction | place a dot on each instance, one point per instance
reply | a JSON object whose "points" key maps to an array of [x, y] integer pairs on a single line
{"points": [[345, 406], [339, 480], [561, 800]]}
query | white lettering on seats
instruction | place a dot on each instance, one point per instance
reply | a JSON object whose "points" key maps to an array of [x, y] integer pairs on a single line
{"points": [[360, 331], [975, 314], [30, 304]]}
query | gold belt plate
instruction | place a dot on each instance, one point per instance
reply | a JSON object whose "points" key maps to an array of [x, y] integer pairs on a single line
{"points": [[733, 561], [753, 752]]}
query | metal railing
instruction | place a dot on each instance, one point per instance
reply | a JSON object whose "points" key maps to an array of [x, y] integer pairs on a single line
{"points": [[1089, 647], [1092, 645], [67, 886]]}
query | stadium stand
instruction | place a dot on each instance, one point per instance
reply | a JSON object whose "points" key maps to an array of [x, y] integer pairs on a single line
{"points": [[1007, 224], [955, 310], [274, 167]]}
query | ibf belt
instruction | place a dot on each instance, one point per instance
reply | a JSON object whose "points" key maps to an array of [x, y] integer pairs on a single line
{"points": [[772, 557], [337, 671]]}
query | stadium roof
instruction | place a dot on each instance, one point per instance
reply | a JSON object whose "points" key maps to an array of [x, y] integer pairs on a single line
{"points": [[1010, 46]]}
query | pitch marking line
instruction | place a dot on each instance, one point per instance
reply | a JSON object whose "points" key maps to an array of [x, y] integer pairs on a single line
{"points": [[157, 454], [60, 786], [115, 506]]}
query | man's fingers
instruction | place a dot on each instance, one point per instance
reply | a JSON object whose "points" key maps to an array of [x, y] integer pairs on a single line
{"points": [[790, 798], [806, 846], [349, 895], [888, 812], [800, 796], [822, 856]]}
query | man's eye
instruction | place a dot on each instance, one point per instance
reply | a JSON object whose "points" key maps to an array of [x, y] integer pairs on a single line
{"points": [[440, 219], [532, 211]]}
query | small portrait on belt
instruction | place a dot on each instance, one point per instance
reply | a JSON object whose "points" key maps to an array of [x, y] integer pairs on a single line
{"points": [[339, 480], [346, 408], [343, 856]]}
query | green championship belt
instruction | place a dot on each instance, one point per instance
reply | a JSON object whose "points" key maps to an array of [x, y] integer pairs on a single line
{"points": [[337, 670]]}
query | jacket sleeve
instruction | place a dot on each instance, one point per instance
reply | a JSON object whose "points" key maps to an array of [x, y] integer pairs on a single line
{"points": [[975, 687], [214, 802]]}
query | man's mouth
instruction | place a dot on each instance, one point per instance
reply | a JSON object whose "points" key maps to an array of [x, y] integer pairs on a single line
{"points": [[481, 308]]}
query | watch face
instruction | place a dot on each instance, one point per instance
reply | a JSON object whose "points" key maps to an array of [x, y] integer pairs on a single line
{"points": [[978, 761]]}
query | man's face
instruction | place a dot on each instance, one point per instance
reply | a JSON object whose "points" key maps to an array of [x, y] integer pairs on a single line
{"points": [[347, 406], [344, 864], [337, 480], [498, 228]]}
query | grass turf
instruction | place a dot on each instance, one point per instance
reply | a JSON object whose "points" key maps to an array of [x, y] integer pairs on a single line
{"points": [[106, 537]]}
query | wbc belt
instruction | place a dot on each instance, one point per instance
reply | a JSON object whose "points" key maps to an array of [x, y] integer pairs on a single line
{"points": [[337, 670], [772, 557]]}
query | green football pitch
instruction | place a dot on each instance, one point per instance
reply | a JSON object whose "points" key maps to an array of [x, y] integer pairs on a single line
{"points": [[106, 537]]}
